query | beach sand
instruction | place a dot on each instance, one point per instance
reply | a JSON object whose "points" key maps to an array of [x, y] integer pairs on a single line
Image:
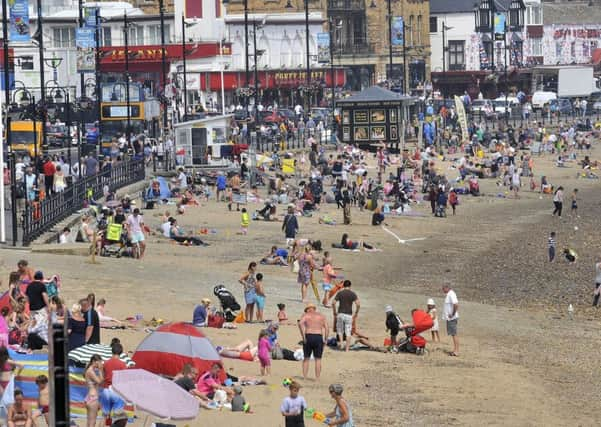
{"points": [[522, 361]]}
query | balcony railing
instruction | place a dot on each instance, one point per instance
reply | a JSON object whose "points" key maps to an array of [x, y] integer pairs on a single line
{"points": [[362, 48], [346, 5]]}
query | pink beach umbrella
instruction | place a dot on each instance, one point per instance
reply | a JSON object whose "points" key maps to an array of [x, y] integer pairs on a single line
{"points": [[155, 395]]}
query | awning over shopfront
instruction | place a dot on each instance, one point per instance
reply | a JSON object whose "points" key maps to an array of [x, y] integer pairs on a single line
{"points": [[272, 79]]}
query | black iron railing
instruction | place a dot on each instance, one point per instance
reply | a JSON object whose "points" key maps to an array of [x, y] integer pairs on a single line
{"points": [[39, 217]]}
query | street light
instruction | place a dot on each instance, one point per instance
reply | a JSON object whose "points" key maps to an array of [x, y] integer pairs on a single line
{"points": [[389, 19], [126, 26], [445, 28], [308, 80], [489, 19]]}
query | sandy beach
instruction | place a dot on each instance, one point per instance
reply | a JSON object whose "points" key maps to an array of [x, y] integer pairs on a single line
{"points": [[523, 362]]}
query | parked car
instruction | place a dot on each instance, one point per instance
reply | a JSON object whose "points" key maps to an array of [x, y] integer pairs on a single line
{"points": [[57, 135], [320, 114], [542, 98], [561, 106], [483, 108], [595, 101], [287, 113]]}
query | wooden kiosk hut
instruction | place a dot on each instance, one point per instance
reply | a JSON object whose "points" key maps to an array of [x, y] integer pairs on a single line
{"points": [[375, 116]]}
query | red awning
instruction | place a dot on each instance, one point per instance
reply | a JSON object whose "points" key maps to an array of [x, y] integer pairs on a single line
{"points": [[272, 79]]}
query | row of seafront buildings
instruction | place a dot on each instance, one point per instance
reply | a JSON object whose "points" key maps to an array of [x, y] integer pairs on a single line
{"points": [[546, 33]]}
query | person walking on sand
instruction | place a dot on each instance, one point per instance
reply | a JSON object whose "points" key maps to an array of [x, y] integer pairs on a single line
{"points": [[249, 281], [552, 244], [314, 332], [574, 210], [451, 315], [306, 264], [558, 201], [597, 292], [344, 316], [290, 226]]}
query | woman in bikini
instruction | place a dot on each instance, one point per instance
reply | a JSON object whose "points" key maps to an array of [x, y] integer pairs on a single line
{"points": [[19, 414], [305, 270], [7, 366], [94, 377]]}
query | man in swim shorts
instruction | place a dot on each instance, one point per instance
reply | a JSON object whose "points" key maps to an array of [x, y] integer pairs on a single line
{"points": [[314, 331], [135, 225]]}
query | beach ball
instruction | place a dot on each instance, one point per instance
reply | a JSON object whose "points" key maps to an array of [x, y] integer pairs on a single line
{"points": [[286, 382]]}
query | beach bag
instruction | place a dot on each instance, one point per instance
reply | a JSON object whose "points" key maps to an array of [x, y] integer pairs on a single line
{"points": [[52, 288], [215, 321], [295, 266], [277, 353], [240, 318]]}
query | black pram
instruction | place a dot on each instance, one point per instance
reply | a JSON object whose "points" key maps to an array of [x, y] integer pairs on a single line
{"points": [[228, 302]]}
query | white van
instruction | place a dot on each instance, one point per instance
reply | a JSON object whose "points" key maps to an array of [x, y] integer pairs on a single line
{"points": [[540, 99]]}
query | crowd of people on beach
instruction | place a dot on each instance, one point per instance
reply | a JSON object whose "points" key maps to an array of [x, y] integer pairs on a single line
{"points": [[507, 156]]}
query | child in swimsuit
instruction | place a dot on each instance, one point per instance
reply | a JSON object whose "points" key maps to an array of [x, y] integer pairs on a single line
{"points": [[93, 376], [43, 399], [6, 368]]}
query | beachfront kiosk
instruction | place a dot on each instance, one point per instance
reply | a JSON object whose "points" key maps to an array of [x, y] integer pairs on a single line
{"points": [[204, 142], [375, 116]]}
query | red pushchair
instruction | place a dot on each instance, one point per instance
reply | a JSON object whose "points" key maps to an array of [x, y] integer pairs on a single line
{"points": [[413, 342]]}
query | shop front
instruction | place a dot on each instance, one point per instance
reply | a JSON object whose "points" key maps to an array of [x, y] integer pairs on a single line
{"points": [[284, 87]]}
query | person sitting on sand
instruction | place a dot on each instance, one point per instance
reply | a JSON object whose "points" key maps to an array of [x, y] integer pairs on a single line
{"points": [[208, 383], [177, 234], [19, 413], [102, 317], [377, 217], [186, 379], [275, 257], [189, 199], [246, 350]]}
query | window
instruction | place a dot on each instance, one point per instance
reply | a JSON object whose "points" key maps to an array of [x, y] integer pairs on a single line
{"points": [[536, 46], [64, 37], [411, 27], [433, 24], [359, 31], [135, 35], [105, 36], [485, 65], [154, 34], [456, 54], [517, 49], [419, 30], [534, 15]]}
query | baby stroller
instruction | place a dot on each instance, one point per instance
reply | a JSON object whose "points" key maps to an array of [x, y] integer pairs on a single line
{"points": [[228, 302], [112, 243], [413, 342]]}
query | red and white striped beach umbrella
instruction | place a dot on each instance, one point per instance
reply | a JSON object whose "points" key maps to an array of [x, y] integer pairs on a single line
{"points": [[166, 350]]}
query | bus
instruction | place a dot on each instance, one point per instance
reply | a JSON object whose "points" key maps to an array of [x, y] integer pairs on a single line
{"points": [[144, 114], [22, 137]]}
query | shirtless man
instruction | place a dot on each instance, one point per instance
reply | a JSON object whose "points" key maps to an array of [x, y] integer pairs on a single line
{"points": [[314, 331]]}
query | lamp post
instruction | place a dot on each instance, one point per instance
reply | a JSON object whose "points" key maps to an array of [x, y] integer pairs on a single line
{"points": [[308, 56], [5, 55], [444, 59], [98, 87], [40, 39], [82, 84], [333, 28], [485, 15], [184, 63], [163, 64], [126, 42]]}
